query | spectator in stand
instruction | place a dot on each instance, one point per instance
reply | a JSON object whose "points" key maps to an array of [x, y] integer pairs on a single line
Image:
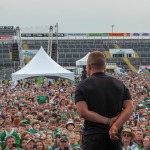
{"points": [[9, 130], [40, 145], [127, 137], [63, 144], [49, 142], [2, 119], [83, 73], [72, 139], [30, 145], [10, 141], [138, 140], [23, 143], [146, 142]]}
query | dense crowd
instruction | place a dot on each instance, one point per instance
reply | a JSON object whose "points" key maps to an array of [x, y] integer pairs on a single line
{"points": [[41, 114]]}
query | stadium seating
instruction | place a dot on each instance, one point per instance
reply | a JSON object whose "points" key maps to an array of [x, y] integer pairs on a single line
{"points": [[70, 50]]}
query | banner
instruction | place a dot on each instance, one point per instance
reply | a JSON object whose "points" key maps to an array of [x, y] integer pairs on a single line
{"points": [[40, 35], [119, 34], [86, 34], [6, 37], [135, 34], [140, 34], [145, 34], [105, 34], [75, 34], [94, 34]]}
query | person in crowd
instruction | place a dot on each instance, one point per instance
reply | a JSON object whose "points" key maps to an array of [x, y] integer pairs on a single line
{"points": [[53, 127], [70, 126], [138, 140], [72, 139], [76, 147], [11, 143], [31, 145], [127, 137], [23, 143], [9, 130], [40, 145], [105, 104], [49, 142], [63, 144], [83, 73], [36, 129], [2, 119], [20, 107], [146, 142]]}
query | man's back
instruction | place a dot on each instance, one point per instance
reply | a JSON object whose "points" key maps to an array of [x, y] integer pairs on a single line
{"points": [[104, 95]]}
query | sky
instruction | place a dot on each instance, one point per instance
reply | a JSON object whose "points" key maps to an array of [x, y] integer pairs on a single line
{"points": [[77, 16]]}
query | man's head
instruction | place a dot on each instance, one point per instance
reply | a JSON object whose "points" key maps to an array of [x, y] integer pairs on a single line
{"points": [[96, 62], [2, 119], [30, 144], [8, 126], [63, 142], [36, 125], [139, 135], [52, 124], [70, 125]]}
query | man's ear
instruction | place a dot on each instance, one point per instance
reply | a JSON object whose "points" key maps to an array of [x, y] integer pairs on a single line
{"points": [[105, 67], [89, 66]]}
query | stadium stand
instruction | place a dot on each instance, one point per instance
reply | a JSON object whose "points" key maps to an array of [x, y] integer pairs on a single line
{"points": [[71, 50]]}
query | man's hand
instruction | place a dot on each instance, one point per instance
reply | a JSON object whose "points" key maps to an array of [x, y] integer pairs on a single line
{"points": [[113, 133]]}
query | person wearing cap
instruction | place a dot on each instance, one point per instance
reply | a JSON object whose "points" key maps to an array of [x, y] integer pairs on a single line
{"points": [[26, 122], [70, 126], [30, 145], [63, 144], [127, 137]]}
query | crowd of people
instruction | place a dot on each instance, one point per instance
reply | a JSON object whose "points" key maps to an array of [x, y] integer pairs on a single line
{"points": [[43, 116]]}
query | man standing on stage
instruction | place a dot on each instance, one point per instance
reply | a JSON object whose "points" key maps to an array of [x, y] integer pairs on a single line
{"points": [[105, 104]]}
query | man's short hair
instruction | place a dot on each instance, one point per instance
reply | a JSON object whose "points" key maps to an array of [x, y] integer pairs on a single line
{"points": [[97, 60]]}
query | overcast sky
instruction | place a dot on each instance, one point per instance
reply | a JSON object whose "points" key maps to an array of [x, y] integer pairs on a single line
{"points": [[77, 16]]}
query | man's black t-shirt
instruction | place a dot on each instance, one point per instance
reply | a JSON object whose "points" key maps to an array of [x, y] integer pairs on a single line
{"points": [[104, 95]]}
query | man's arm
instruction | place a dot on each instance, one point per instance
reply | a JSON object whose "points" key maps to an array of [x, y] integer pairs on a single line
{"points": [[123, 117], [83, 112]]}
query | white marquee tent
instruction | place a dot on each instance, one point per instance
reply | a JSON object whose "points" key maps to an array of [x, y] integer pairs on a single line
{"points": [[82, 61], [42, 65]]}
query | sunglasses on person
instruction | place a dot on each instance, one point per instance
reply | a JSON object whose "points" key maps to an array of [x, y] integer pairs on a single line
{"points": [[127, 135], [63, 141]]}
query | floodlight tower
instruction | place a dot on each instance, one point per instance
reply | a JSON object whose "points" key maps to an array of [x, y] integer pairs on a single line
{"points": [[50, 41], [112, 28], [19, 42], [56, 34]]}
